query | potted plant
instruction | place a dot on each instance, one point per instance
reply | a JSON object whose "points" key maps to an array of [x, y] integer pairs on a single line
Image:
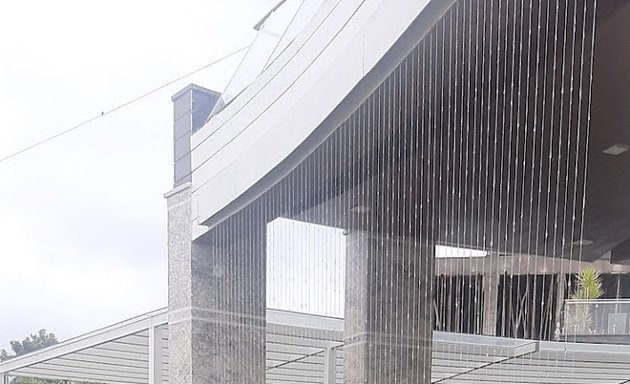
{"points": [[589, 287]]}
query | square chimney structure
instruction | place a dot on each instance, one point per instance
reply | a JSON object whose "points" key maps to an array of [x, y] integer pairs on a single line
{"points": [[191, 108]]}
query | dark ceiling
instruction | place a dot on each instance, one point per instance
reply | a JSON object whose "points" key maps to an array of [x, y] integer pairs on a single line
{"points": [[481, 138], [607, 216]]}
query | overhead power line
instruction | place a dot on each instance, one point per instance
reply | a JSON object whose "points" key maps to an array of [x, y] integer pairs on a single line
{"points": [[121, 106]]}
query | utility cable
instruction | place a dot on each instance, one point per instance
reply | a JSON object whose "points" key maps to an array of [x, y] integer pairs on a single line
{"points": [[121, 106]]}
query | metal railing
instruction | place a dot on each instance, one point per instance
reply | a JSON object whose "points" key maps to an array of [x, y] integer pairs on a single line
{"points": [[596, 317]]}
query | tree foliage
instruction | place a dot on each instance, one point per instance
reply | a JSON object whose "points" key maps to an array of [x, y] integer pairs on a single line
{"points": [[34, 342]]}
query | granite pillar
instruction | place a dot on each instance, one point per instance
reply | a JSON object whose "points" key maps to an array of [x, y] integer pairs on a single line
{"points": [[216, 302], [388, 328]]}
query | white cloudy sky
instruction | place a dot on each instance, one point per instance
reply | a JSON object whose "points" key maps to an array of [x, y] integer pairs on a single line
{"points": [[82, 218]]}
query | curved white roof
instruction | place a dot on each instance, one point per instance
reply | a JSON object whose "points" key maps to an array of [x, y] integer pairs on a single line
{"points": [[336, 61]]}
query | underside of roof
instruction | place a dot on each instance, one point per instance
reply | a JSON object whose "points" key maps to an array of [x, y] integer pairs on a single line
{"points": [[304, 348]]}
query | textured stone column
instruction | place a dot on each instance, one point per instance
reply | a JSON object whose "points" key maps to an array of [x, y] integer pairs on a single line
{"points": [[216, 302], [490, 299], [388, 328]]}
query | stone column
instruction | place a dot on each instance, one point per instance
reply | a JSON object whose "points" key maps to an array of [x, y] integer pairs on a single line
{"points": [[490, 298], [216, 302], [388, 328]]}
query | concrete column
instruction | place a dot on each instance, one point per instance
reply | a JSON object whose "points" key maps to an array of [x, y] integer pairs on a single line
{"points": [[560, 296], [155, 356], [388, 328], [216, 302], [3, 379], [330, 366], [490, 299]]}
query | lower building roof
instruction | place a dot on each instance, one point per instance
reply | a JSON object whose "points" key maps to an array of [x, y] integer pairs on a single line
{"points": [[299, 350]]}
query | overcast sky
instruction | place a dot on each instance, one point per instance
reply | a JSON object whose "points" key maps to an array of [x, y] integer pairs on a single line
{"points": [[83, 218]]}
